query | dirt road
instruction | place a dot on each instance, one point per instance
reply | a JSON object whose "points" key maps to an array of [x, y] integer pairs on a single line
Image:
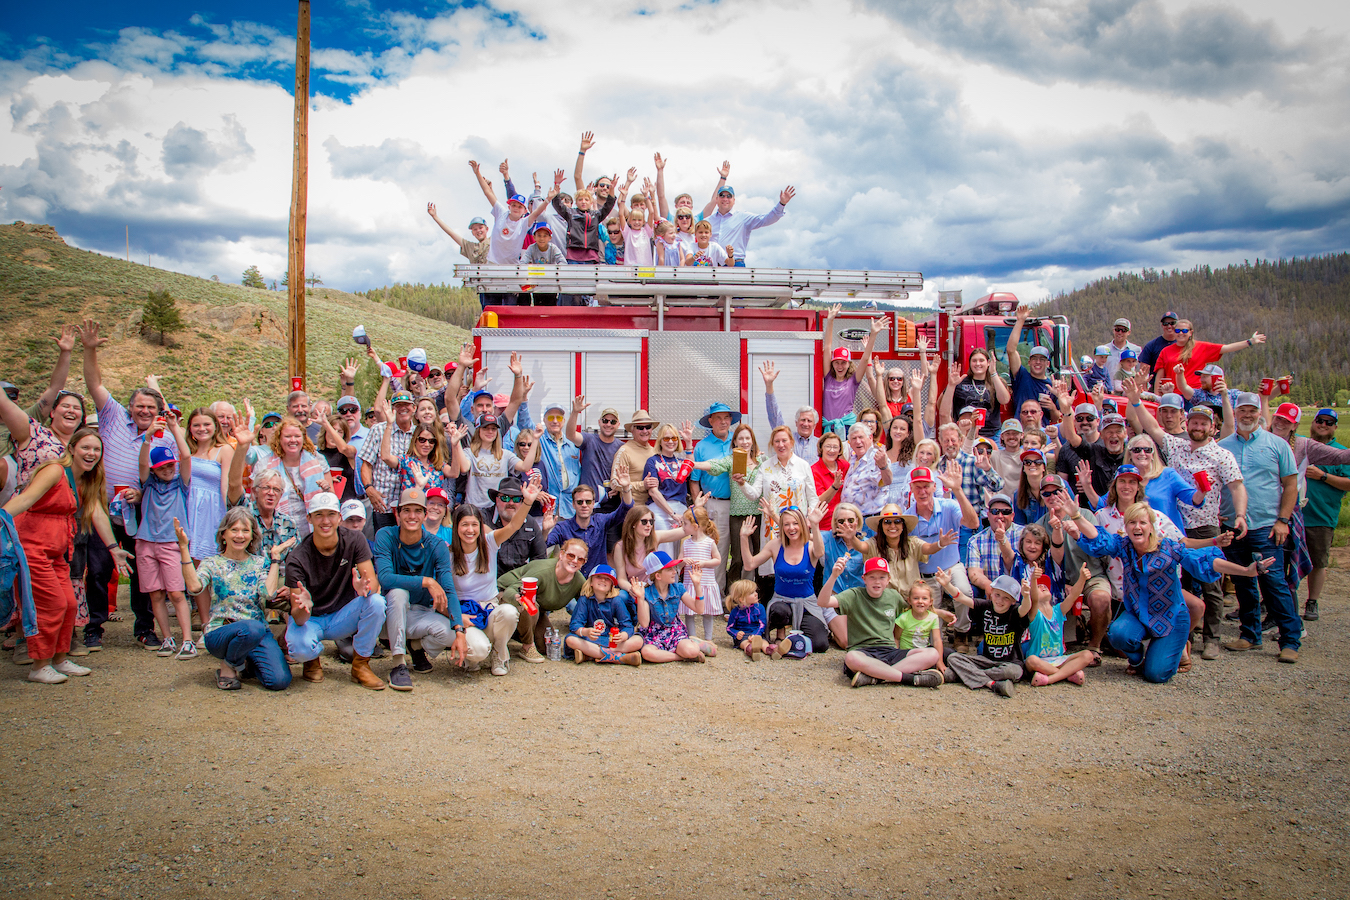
{"points": [[730, 779]]}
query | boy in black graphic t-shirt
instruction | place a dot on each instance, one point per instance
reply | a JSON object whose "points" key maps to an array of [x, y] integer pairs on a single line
{"points": [[1001, 619]]}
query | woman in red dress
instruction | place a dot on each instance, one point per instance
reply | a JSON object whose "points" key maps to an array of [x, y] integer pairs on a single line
{"points": [[48, 515]]}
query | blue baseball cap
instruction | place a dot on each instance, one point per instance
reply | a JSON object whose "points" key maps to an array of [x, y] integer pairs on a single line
{"points": [[476, 394], [477, 220], [271, 417], [1128, 353], [1040, 351], [1330, 413], [161, 456], [606, 571], [1132, 471], [517, 198], [541, 225], [727, 189], [1172, 401]]}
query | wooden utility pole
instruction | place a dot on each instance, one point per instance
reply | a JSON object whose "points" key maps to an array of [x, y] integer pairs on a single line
{"points": [[295, 307]]}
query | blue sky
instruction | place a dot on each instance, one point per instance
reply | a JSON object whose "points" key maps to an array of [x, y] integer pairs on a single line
{"points": [[1014, 144]]}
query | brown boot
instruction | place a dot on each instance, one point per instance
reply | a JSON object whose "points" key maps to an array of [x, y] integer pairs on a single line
{"points": [[756, 647], [631, 659], [362, 675], [313, 671]]}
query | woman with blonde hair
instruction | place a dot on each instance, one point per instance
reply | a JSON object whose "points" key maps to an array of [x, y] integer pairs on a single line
{"points": [[486, 462], [1193, 355], [211, 455], [1164, 487], [304, 472]]}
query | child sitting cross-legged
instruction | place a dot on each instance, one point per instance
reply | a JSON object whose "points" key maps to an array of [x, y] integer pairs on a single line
{"points": [[746, 622], [601, 609], [1045, 654], [658, 603], [1001, 617], [872, 609]]}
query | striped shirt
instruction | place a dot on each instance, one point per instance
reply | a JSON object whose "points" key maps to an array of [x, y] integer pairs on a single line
{"points": [[122, 446], [974, 479]]}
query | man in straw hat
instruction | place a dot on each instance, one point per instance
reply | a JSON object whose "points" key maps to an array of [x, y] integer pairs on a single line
{"points": [[635, 453]]}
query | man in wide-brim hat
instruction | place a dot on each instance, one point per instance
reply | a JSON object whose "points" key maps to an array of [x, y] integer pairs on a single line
{"points": [[636, 452]]}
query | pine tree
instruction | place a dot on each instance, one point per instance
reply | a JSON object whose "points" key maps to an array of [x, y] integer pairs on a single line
{"points": [[253, 278], [160, 313]]}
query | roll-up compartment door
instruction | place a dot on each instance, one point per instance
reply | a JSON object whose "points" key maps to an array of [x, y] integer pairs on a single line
{"points": [[610, 379], [794, 388], [552, 372]]}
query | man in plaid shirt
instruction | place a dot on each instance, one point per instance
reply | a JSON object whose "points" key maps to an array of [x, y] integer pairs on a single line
{"points": [[977, 472], [380, 479], [986, 546]]}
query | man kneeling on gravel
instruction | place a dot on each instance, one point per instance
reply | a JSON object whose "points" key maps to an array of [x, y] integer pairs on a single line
{"points": [[334, 594], [419, 591]]}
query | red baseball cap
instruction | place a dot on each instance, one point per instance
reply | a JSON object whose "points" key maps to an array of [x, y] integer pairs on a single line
{"points": [[921, 474], [876, 564], [1290, 412], [841, 353]]}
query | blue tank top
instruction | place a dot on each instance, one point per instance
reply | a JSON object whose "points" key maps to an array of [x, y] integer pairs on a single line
{"points": [[794, 580]]}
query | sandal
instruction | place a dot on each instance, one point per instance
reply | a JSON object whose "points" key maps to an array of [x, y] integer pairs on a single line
{"points": [[1131, 670], [114, 617], [227, 682], [1096, 658], [1185, 665]]}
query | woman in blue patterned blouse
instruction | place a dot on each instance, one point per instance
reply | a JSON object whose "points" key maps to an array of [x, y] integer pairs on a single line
{"points": [[241, 583], [1154, 607]]}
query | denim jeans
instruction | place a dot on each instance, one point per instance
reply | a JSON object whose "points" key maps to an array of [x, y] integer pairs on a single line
{"points": [[362, 618], [1274, 590], [246, 643], [963, 543], [1163, 655]]}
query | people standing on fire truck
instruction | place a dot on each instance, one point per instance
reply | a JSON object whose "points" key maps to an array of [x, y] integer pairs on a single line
{"points": [[733, 228], [842, 380]]}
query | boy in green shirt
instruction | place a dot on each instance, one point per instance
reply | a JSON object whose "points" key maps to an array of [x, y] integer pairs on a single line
{"points": [[872, 655]]}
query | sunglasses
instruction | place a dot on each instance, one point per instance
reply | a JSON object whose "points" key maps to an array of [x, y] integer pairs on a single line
{"points": [[553, 418], [1169, 321], [510, 498], [895, 378], [423, 440], [1085, 418], [646, 521], [576, 502], [642, 428], [684, 216], [885, 522], [1120, 329], [1049, 492], [1000, 512], [1033, 462], [1323, 420], [609, 421], [575, 557], [1182, 330], [1148, 451]]}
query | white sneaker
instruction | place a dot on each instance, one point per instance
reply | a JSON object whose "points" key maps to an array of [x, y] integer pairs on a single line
{"points": [[188, 650], [66, 667], [47, 675], [168, 648], [500, 662]]}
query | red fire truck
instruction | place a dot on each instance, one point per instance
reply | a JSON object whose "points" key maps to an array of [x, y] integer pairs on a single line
{"points": [[674, 340]]}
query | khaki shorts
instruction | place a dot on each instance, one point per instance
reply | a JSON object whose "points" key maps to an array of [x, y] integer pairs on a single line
{"points": [[1319, 545], [1096, 583]]}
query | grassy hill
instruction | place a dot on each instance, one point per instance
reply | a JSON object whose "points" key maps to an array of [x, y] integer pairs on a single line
{"points": [[234, 342], [1302, 305]]}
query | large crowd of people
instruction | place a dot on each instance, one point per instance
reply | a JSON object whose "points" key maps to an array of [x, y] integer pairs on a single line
{"points": [[989, 533]]}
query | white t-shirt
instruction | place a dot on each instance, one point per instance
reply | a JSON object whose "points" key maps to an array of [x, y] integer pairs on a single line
{"points": [[479, 586], [714, 255], [485, 473], [508, 237]]}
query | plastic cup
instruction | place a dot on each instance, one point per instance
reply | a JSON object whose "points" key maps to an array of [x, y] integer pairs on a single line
{"points": [[528, 588], [159, 431], [683, 474], [1202, 481], [979, 418], [1285, 383], [1267, 386], [120, 489], [297, 383]]}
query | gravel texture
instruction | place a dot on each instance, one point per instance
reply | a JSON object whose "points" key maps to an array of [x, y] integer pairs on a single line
{"points": [[730, 779]]}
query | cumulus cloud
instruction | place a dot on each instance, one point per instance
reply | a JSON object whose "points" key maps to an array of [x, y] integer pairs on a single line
{"points": [[899, 157], [1211, 51]]}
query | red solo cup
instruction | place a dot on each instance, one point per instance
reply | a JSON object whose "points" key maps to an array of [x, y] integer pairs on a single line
{"points": [[614, 636], [339, 485], [1077, 607], [1267, 386], [528, 588], [979, 418], [1202, 481], [120, 489], [297, 383], [685, 468], [549, 503], [1285, 383]]}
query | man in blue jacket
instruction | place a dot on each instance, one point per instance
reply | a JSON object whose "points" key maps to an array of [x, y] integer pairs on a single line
{"points": [[419, 589]]}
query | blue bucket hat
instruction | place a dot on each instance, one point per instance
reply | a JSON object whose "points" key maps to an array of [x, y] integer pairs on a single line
{"points": [[714, 410]]}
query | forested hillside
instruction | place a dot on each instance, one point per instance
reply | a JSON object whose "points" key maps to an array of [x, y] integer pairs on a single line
{"points": [[1302, 305], [456, 305]]}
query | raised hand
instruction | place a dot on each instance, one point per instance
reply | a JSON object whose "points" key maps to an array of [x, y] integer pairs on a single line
{"points": [[505, 169], [878, 326], [658, 162], [481, 379], [89, 335], [834, 310], [818, 512], [748, 526], [943, 577], [841, 564], [632, 177], [947, 538], [587, 141], [528, 385], [687, 432], [768, 373], [785, 196], [1022, 312], [648, 189], [1258, 338], [725, 170], [180, 534], [532, 488], [350, 368], [951, 475], [473, 164], [558, 177], [515, 365], [1084, 473], [66, 340], [431, 210], [579, 404]]}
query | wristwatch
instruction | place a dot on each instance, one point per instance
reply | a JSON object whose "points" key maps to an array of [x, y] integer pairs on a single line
{"points": [[1283, 519]]}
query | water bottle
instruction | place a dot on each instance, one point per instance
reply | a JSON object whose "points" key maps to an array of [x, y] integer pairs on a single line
{"points": [[552, 645]]}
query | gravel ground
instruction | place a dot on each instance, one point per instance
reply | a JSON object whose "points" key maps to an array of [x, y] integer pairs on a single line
{"points": [[729, 779]]}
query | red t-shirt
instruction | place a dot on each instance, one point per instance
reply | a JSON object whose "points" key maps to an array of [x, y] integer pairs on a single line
{"points": [[1202, 355]]}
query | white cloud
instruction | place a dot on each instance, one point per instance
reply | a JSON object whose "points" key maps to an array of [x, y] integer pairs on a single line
{"points": [[906, 153]]}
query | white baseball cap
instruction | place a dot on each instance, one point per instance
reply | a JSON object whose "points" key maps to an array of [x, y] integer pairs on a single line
{"points": [[353, 509], [323, 501]]}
